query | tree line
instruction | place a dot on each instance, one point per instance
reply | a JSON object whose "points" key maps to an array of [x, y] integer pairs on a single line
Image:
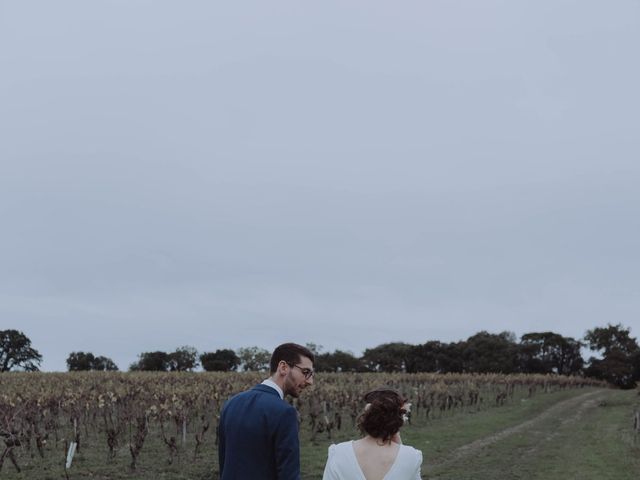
{"points": [[617, 360]]}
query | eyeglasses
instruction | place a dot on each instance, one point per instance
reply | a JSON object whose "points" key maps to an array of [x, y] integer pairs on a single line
{"points": [[307, 372]]}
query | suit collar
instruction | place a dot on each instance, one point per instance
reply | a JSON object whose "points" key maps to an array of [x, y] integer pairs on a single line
{"points": [[270, 383], [266, 389]]}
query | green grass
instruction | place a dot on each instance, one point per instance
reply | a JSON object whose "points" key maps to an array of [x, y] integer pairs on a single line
{"points": [[599, 445], [595, 441]]}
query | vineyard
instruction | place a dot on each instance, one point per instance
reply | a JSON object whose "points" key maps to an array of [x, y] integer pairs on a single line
{"points": [[129, 422]]}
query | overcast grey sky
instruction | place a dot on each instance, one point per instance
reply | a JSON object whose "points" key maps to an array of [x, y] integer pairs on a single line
{"points": [[228, 174]]}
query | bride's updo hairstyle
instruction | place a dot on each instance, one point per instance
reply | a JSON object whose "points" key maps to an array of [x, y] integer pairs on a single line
{"points": [[382, 417]]}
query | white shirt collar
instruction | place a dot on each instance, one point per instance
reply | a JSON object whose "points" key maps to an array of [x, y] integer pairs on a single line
{"points": [[274, 385]]}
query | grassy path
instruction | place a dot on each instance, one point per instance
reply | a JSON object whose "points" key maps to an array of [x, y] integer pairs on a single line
{"points": [[582, 434], [587, 436]]}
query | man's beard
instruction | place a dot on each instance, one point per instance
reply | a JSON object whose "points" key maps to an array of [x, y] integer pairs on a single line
{"points": [[290, 388]]}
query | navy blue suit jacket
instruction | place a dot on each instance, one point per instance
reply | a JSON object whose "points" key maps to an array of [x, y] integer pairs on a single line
{"points": [[258, 437]]}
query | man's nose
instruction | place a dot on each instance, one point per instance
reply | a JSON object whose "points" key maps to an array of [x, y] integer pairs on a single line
{"points": [[309, 381]]}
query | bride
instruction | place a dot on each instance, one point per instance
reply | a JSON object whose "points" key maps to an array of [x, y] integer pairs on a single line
{"points": [[379, 455]]}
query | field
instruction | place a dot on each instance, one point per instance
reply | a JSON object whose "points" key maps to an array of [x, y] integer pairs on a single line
{"points": [[156, 426]]}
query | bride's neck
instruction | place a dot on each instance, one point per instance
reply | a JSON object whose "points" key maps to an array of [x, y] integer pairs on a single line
{"points": [[376, 441]]}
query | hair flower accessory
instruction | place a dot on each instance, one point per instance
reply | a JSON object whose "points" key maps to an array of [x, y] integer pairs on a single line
{"points": [[406, 411]]}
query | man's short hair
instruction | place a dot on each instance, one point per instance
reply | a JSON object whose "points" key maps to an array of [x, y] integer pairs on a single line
{"points": [[290, 353]]}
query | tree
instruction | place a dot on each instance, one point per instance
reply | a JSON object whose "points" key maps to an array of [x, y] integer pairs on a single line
{"points": [[620, 362], [388, 357], [104, 364], [81, 361], [548, 352], [314, 348], [254, 359], [610, 338], [490, 353], [151, 361], [16, 352], [224, 360], [434, 356], [338, 361], [184, 359], [450, 360]]}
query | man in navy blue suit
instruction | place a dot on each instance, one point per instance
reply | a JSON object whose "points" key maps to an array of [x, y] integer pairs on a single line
{"points": [[258, 431]]}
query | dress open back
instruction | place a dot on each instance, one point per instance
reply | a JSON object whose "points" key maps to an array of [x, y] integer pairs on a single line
{"points": [[342, 464]]}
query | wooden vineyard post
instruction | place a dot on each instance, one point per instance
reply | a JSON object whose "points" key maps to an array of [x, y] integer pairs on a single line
{"points": [[70, 454], [8, 452]]}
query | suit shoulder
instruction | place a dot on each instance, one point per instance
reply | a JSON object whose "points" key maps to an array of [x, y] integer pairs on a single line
{"points": [[273, 400], [258, 396], [236, 397], [281, 407]]}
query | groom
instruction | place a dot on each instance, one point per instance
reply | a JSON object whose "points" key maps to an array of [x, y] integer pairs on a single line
{"points": [[258, 431]]}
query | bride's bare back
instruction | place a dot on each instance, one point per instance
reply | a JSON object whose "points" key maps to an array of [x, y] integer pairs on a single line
{"points": [[374, 458]]}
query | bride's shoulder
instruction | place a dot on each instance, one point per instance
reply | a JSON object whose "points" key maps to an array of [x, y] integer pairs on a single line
{"points": [[340, 454], [340, 447], [343, 445], [411, 451]]}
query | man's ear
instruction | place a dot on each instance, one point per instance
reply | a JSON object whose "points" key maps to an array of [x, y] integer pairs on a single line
{"points": [[283, 368]]}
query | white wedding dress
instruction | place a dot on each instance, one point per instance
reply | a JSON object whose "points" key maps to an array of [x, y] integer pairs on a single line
{"points": [[342, 464]]}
